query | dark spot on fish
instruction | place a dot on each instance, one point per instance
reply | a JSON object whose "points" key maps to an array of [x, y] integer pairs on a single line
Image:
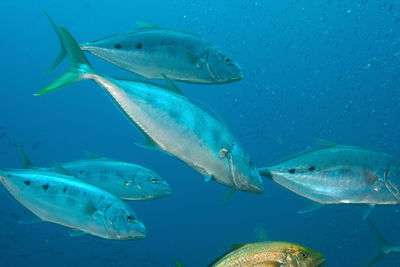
{"points": [[292, 171], [65, 189], [227, 60], [101, 197], [81, 171], [161, 43], [138, 46], [45, 187], [84, 193], [118, 46], [27, 182], [312, 168]]}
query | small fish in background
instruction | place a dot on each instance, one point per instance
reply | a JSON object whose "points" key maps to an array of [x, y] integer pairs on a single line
{"points": [[125, 180], [152, 51], [163, 115], [35, 145], [336, 174], [383, 248], [260, 233], [268, 254], [84, 208]]}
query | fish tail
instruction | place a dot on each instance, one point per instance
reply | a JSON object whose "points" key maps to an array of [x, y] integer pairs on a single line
{"points": [[265, 172], [61, 51], [382, 245], [80, 68]]}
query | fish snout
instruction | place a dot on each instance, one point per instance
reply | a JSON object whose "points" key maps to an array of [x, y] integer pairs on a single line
{"points": [[138, 232]]}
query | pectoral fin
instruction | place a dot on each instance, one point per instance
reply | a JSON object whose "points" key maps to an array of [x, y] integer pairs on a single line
{"points": [[207, 178], [171, 85], [229, 193], [310, 207]]}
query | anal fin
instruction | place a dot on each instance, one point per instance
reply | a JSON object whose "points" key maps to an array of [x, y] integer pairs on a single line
{"points": [[76, 232], [310, 207], [29, 218]]}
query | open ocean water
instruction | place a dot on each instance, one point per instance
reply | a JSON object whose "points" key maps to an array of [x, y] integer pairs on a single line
{"points": [[317, 68]]}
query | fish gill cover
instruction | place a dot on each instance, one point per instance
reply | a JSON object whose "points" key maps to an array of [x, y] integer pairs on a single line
{"points": [[324, 69]]}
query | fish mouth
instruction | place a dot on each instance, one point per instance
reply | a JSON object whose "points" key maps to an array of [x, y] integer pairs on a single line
{"points": [[318, 262]]}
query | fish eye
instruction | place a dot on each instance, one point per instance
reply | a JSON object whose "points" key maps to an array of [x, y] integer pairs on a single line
{"points": [[129, 217], [155, 180], [228, 60], [303, 255]]}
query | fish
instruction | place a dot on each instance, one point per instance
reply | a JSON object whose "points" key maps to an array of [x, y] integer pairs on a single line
{"points": [[125, 180], [337, 174], [383, 247], [66, 201], [169, 122], [268, 254], [152, 51]]}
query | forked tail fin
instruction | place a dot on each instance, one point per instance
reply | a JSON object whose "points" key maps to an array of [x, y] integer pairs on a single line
{"points": [[80, 68], [382, 246], [61, 52]]}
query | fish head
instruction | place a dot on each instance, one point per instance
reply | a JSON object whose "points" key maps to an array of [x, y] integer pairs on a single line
{"points": [[122, 223], [222, 68], [301, 256], [244, 174], [150, 185]]}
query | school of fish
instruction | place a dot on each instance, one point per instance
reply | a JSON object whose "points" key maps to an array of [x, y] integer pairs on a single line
{"points": [[89, 195]]}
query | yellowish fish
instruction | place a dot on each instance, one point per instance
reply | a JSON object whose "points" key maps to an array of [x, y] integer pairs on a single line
{"points": [[270, 254]]}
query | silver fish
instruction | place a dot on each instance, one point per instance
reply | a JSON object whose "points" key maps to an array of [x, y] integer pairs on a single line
{"points": [[335, 174], [69, 202], [125, 180], [170, 122], [152, 51]]}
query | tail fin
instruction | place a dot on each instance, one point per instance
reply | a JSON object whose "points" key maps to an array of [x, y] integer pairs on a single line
{"points": [[25, 161], [79, 69], [383, 247], [265, 172], [61, 52]]}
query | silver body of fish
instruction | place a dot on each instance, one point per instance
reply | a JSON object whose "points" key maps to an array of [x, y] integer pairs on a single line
{"points": [[125, 180], [69, 202], [169, 122], [152, 51], [337, 174]]}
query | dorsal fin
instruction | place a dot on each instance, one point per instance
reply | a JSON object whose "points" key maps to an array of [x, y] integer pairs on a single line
{"points": [[237, 246], [91, 155], [233, 248], [323, 143], [25, 161], [171, 85], [143, 24]]}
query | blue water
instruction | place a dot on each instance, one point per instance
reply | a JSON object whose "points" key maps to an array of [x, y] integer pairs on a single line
{"points": [[316, 68]]}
